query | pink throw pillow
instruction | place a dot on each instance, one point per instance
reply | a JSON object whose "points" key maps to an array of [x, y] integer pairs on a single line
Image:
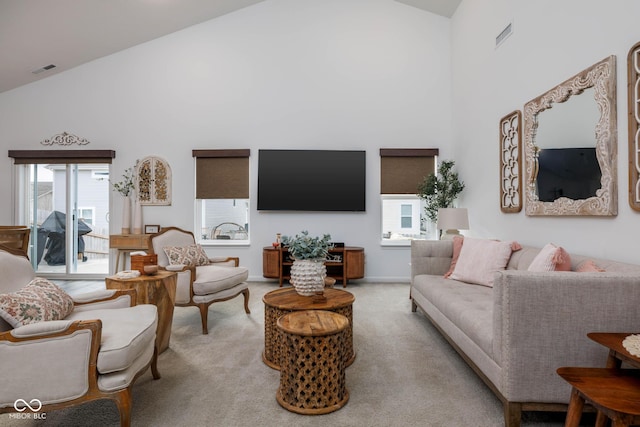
{"points": [[589, 266], [457, 247], [479, 259], [551, 258]]}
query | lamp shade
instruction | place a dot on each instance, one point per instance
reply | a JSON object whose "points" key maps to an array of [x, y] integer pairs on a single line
{"points": [[453, 219]]}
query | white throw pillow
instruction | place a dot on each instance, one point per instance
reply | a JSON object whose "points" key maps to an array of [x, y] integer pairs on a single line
{"points": [[551, 258], [479, 259]]}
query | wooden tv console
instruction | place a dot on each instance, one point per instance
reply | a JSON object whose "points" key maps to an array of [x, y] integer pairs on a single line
{"points": [[276, 264]]}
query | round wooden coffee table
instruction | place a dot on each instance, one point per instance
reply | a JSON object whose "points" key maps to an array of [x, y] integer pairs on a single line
{"points": [[286, 300], [312, 377]]}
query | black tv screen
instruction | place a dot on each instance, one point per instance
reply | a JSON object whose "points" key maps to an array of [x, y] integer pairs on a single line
{"points": [[311, 180], [567, 172]]}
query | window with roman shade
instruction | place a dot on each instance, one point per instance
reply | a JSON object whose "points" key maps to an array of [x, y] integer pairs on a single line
{"points": [[401, 171], [222, 196]]}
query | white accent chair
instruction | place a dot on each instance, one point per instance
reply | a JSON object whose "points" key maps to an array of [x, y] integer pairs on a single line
{"points": [[96, 352], [202, 285]]}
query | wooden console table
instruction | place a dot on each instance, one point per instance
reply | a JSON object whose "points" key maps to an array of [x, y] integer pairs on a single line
{"points": [[276, 264], [127, 243], [159, 290]]}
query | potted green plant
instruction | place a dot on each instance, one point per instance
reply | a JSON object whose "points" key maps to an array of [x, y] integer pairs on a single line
{"points": [[441, 190], [309, 254]]}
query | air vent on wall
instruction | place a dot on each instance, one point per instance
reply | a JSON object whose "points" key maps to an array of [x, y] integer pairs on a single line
{"points": [[508, 30], [45, 68]]}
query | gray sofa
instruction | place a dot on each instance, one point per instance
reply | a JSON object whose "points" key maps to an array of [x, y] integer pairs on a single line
{"points": [[517, 333]]}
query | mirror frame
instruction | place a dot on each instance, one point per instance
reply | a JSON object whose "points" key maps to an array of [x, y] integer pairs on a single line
{"points": [[633, 88], [602, 78]]}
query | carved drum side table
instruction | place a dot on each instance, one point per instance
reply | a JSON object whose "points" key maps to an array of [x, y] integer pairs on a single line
{"points": [[286, 300], [312, 370]]}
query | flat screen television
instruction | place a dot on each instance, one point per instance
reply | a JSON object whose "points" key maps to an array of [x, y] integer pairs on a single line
{"points": [[573, 173], [311, 180]]}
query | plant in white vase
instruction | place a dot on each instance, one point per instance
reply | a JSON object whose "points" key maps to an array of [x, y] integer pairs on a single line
{"points": [[309, 254]]}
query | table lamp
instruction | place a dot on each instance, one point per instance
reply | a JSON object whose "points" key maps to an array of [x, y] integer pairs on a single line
{"points": [[450, 220]]}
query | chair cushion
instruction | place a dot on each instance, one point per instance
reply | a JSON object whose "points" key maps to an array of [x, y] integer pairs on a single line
{"points": [[211, 279], [126, 333], [191, 255], [39, 301]]}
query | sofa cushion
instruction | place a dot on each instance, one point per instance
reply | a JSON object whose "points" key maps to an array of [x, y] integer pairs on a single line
{"points": [[551, 258], [457, 247], [588, 266], [126, 334], [479, 259], [211, 279], [191, 255], [469, 307], [40, 300]]}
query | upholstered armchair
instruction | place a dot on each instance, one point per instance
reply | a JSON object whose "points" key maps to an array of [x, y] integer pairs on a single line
{"points": [[96, 351], [201, 280]]}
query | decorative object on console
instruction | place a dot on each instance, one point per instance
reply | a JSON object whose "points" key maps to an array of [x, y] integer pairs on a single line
{"points": [[137, 217], [308, 271], [151, 229], [125, 187], [441, 190], [511, 163], [452, 220], [633, 70], [597, 82], [153, 176]]}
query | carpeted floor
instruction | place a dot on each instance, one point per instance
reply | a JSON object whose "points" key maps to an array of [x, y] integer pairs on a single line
{"points": [[405, 374]]}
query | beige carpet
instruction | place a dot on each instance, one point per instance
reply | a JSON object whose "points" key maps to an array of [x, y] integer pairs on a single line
{"points": [[405, 374]]}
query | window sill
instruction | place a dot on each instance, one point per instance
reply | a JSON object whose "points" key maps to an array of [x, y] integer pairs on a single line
{"points": [[395, 242], [224, 243]]}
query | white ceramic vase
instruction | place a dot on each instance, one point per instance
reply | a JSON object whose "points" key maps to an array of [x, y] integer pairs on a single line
{"points": [[137, 218], [126, 215], [307, 276]]}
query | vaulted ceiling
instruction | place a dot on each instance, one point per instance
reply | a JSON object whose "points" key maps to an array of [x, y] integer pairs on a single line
{"points": [[35, 34]]}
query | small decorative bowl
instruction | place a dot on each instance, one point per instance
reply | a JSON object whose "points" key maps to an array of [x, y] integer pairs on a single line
{"points": [[150, 270]]}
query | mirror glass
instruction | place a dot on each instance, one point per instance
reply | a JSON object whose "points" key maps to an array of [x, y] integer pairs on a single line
{"points": [[570, 146]]}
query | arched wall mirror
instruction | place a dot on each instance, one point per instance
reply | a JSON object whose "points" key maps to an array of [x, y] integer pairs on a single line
{"points": [[570, 142]]}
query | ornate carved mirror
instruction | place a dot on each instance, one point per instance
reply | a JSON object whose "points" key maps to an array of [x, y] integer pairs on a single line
{"points": [[570, 141]]}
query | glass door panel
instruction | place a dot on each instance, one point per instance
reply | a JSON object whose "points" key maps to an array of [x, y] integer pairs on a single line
{"points": [[67, 207]]}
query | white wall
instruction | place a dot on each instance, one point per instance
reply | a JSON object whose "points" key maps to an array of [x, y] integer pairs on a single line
{"points": [[551, 42], [334, 74]]}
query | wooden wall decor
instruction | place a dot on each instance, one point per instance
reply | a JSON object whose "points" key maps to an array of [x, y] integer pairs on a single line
{"points": [[633, 86], [153, 176], [65, 139], [511, 162]]}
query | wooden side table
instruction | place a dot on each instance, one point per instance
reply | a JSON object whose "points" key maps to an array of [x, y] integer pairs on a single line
{"points": [[286, 300], [617, 352], [159, 290], [312, 377]]}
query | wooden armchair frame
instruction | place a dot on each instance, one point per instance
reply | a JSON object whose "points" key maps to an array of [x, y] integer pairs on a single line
{"points": [[122, 397], [203, 306]]}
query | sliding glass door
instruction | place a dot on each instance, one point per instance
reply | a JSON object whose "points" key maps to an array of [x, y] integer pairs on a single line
{"points": [[67, 209]]}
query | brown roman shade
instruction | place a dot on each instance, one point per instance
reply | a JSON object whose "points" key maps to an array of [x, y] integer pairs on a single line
{"points": [[402, 169], [33, 157], [222, 174]]}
